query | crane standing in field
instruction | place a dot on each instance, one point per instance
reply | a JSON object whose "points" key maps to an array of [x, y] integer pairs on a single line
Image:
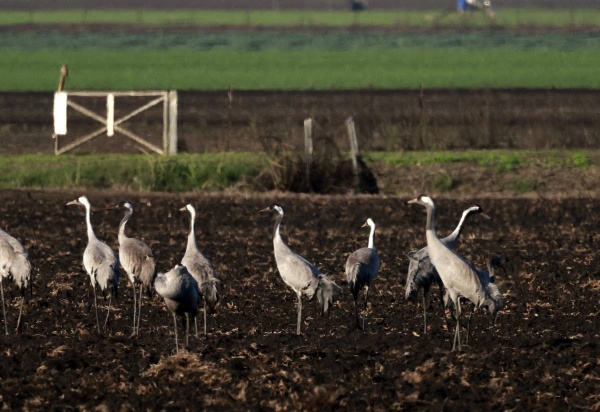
{"points": [[299, 274], [200, 268], [180, 293], [99, 261], [459, 276], [14, 263], [138, 261], [421, 272], [361, 269]]}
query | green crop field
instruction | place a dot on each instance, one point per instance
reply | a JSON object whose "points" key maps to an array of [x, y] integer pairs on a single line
{"points": [[310, 69], [266, 18]]}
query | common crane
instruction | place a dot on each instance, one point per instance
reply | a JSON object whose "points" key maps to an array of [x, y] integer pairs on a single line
{"points": [[14, 263], [422, 274], [200, 268], [299, 274], [138, 261], [361, 269], [99, 261], [460, 277], [180, 292]]}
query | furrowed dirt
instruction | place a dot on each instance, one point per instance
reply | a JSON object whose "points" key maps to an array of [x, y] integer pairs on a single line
{"points": [[542, 353]]}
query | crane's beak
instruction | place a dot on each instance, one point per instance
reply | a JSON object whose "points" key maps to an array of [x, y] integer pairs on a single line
{"points": [[486, 216], [74, 202], [183, 209], [118, 206], [411, 201], [365, 224], [266, 209]]}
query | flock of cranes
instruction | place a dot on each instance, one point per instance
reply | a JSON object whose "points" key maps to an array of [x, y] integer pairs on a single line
{"points": [[195, 280]]}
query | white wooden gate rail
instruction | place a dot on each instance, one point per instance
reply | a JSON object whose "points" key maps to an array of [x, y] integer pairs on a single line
{"points": [[111, 125]]}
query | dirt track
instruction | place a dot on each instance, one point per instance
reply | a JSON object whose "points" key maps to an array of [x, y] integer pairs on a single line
{"points": [[541, 355]]}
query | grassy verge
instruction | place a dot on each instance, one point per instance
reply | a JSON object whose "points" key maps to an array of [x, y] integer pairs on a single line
{"points": [[269, 18], [210, 172], [299, 70]]}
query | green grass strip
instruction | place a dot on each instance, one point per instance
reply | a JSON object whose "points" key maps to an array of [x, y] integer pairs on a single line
{"points": [[269, 18], [217, 171], [299, 70], [180, 173]]}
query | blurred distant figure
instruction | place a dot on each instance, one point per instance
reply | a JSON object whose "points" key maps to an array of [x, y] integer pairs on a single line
{"points": [[358, 5], [463, 6]]}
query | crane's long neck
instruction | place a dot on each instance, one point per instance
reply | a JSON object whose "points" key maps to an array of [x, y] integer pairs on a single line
{"points": [[276, 232], [371, 237], [453, 237], [88, 221], [191, 243], [122, 235], [430, 219]]}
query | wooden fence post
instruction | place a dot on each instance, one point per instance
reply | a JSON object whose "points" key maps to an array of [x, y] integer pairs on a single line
{"points": [[353, 143], [308, 147]]}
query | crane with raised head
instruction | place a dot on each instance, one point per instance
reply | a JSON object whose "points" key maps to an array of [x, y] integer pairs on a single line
{"points": [[200, 268], [299, 274], [460, 277], [14, 263], [180, 292], [99, 261], [422, 274], [361, 270], [137, 260]]}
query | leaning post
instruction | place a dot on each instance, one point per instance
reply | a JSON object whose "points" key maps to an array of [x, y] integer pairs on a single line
{"points": [[308, 147], [353, 143]]}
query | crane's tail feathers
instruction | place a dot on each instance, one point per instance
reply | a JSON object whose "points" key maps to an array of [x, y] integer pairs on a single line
{"points": [[210, 293], [326, 293], [20, 271]]}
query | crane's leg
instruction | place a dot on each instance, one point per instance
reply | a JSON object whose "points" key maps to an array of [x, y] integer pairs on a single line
{"points": [[3, 308], [299, 313], [139, 313], [446, 320], [457, 331], [175, 324], [473, 308], [96, 307], [196, 324], [365, 311], [18, 329], [424, 316], [204, 317], [134, 331], [108, 311], [187, 331], [356, 322]]}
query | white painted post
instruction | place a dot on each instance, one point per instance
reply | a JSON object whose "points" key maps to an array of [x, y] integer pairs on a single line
{"points": [[353, 143], [60, 113], [172, 133], [110, 115], [308, 147]]}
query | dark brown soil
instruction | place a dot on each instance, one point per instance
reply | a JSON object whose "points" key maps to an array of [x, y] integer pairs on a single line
{"points": [[268, 121], [541, 355]]}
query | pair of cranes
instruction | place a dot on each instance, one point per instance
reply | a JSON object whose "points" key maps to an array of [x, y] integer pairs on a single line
{"points": [[435, 263], [181, 288]]}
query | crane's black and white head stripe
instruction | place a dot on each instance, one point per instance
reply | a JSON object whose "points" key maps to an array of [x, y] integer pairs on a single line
{"points": [[189, 208], [275, 208], [80, 201], [126, 205], [476, 209], [422, 200]]}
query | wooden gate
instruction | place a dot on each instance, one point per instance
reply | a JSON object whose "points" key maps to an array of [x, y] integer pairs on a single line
{"points": [[110, 125]]}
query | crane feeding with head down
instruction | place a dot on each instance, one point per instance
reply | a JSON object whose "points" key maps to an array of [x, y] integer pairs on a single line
{"points": [[299, 274], [14, 263], [99, 261]]}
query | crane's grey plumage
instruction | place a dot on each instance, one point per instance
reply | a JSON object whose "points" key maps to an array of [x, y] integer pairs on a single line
{"points": [[421, 272], [459, 276], [301, 275], [200, 268], [138, 261], [180, 292], [99, 261], [14, 263], [361, 270]]}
